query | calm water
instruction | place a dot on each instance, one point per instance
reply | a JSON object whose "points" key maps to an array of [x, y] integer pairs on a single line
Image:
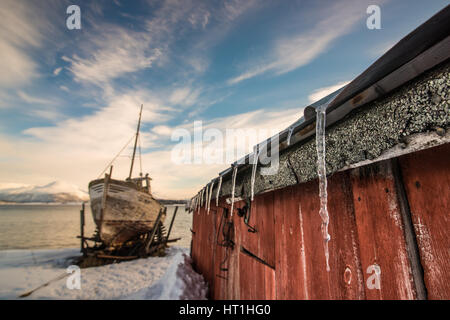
{"points": [[56, 226]]}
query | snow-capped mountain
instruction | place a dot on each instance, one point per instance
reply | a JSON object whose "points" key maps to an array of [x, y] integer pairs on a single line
{"points": [[57, 191]]}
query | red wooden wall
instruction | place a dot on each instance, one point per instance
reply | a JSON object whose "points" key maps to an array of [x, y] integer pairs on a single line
{"points": [[367, 228]]}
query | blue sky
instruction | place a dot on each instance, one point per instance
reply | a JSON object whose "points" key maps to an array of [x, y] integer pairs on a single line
{"points": [[69, 99]]}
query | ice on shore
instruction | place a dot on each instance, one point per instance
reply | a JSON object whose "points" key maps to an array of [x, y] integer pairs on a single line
{"points": [[169, 277]]}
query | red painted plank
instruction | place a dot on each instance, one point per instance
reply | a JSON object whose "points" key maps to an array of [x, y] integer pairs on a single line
{"points": [[300, 260], [248, 279], [346, 275], [289, 251], [234, 270], [262, 242], [381, 232], [269, 284], [220, 262], [252, 278], [426, 177]]}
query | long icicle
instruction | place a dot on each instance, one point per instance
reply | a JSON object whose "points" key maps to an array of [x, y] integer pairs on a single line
{"points": [[210, 196], [218, 191], [291, 129], [322, 174], [233, 188], [201, 197], [255, 165], [206, 197], [198, 203]]}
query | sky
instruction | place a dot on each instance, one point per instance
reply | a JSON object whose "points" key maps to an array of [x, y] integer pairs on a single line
{"points": [[69, 99]]}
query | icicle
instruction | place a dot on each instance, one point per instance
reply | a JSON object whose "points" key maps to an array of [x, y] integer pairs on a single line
{"points": [[196, 203], [205, 196], [207, 189], [201, 197], [322, 174], [233, 188], [218, 190], [256, 152], [291, 129], [210, 196], [206, 199]]}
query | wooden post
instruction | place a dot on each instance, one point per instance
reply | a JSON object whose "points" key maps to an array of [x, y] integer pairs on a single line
{"points": [[82, 229], [171, 222]]}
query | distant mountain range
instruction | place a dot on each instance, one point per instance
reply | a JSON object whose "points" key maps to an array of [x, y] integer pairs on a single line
{"points": [[54, 192]]}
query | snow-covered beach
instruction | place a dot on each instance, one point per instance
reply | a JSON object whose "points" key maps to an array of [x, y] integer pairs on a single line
{"points": [[169, 278]]}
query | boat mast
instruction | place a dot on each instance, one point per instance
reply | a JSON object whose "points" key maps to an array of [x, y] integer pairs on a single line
{"points": [[135, 142]]}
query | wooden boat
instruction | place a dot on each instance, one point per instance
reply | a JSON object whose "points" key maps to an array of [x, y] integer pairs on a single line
{"points": [[123, 209]]}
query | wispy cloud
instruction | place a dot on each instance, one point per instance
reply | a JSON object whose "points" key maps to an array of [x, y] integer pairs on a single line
{"points": [[18, 33], [64, 88], [113, 54], [25, 28], [34, 100], [292, 52], [185, 96], [57, 71]]}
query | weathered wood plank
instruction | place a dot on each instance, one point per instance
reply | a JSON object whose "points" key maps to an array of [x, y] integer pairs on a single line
{"points": [[426, 178], [218, 277], [269, 284], [346, 275], [290, 275], [381, 233], [261, 242], [300, 260], [233, 283]]}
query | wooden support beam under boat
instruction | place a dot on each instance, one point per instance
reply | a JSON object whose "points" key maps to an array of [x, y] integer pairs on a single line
{"points": [[155, 227], [82, 229], [171, 223]]}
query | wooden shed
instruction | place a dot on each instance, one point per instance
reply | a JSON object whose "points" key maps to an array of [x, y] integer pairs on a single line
{"points": [[388, 165]]}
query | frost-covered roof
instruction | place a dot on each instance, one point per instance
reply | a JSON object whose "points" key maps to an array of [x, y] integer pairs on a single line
{"points": [[420, 51]]}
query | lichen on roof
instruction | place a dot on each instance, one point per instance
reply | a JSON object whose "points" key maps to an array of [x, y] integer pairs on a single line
{"points": [[419, 106]]}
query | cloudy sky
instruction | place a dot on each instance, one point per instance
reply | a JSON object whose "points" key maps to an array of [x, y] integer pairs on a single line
{"points": [[69, 99]]}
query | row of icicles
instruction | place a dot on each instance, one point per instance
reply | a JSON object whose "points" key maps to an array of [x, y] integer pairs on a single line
{"points": [[203, 198]]}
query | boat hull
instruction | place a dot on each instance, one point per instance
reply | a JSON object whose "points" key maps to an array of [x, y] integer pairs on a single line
{"points": [[124, 212]]}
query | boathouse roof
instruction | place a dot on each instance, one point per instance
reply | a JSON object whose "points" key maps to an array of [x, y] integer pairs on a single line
{"points": [[400, 104]]}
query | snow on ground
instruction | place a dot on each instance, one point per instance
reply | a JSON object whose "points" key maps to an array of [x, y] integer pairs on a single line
{"points": [[169, 277]]}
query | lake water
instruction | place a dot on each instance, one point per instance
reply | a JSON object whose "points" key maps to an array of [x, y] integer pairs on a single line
{"points": [[57, 226]]}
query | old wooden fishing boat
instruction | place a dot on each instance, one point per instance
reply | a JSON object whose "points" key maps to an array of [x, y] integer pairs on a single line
{"points": [[123, 210]]}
